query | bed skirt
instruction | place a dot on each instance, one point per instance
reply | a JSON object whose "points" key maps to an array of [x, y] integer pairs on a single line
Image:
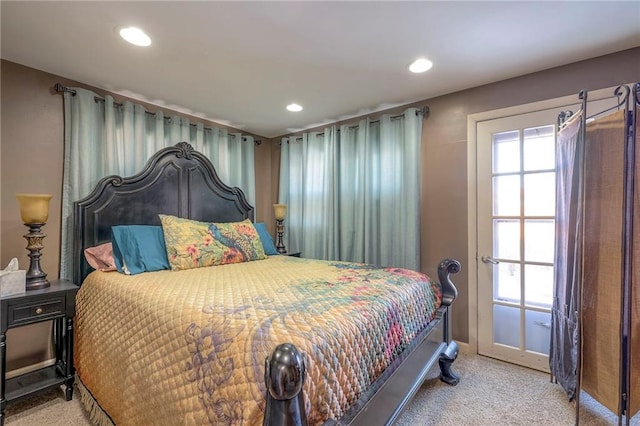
{"points": [[96, 414]]}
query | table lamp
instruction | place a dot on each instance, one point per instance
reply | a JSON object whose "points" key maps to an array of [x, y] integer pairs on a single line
{"points": [[280, 211], [34, 211]]}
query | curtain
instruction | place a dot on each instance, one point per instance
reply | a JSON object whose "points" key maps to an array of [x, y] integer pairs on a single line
{"points": [[563, 355], [308, 187], [106, 138], [354, 192], [634, 399]]}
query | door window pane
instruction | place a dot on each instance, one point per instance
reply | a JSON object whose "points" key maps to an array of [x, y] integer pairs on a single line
{"points": [[539, 194], [506, 236], [539, 148], [506, 325], [538, 285], [507, 282], [537, 331], [539, 240], [506, 195], [506, 152]]}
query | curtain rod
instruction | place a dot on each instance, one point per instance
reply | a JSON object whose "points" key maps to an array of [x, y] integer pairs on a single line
{"points": [[622, 93], [61, 89], [424, 111]]}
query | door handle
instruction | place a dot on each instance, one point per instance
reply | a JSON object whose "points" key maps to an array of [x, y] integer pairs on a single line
{"points": [[543, 324], [489, 259]]}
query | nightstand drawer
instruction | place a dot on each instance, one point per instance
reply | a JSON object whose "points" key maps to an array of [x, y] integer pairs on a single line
{"points": [[36, 310]]}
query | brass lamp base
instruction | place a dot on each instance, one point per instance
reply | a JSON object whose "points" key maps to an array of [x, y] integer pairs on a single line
{"points": [[36, 277]]}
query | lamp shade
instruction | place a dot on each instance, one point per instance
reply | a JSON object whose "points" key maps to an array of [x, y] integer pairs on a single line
{"points": [[34, 208], [280, 211]]}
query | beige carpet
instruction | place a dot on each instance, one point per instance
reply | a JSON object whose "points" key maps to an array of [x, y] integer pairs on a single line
{"points": [[490, 393]]}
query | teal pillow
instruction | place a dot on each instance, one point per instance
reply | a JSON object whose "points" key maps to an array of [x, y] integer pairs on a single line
{"points": [[265, 237], [139, 248]]}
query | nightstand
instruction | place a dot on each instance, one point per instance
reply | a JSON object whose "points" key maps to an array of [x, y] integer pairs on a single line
{"points": [[57, 303], [296, 254]]}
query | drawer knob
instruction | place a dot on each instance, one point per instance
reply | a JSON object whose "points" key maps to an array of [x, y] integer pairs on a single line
{"points": [[39, 310]]}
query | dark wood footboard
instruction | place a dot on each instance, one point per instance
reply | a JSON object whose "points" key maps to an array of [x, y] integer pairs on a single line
{"points": [[389, 394]]}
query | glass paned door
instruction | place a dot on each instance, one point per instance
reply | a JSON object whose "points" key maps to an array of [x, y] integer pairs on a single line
{"points": [[516, 234], [516, 226]]}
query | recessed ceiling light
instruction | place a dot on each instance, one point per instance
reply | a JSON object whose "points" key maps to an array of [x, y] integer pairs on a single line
{"points": [[294, 108], [420, 65], [135, 36]]}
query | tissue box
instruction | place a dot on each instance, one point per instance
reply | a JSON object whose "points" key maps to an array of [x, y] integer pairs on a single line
{"points": [[13, 282]]}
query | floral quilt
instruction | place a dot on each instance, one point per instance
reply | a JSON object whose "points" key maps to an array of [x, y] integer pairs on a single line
{"points": [[188, 347]]}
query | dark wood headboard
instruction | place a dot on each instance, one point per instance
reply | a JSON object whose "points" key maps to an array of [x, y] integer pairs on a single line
{"points": [[176, 180]]}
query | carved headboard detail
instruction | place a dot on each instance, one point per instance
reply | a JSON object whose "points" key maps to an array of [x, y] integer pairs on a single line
{"points": [[176, 180]]}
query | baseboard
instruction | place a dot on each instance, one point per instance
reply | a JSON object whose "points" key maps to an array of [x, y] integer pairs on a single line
{"points": [[463, 348]]}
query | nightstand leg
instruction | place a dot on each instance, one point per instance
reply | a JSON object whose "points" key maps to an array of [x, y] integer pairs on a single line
{"points": [[3, 370], [58, 334], [68, 364]]}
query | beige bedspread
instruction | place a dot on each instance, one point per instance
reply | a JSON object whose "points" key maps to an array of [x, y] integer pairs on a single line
{"points": [[188, 347]]}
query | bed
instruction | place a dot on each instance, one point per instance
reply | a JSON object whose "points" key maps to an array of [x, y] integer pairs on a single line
{"points": [[279, 341]]}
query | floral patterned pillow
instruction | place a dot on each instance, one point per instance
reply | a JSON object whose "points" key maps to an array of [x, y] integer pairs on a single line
{"points": [[192, 244]]}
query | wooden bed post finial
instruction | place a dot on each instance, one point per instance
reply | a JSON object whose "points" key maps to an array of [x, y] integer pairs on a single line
{"points": [[284, 376], [445, 269]]}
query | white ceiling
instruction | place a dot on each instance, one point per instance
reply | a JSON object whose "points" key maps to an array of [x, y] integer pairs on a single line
{"points": [[239, 63]]}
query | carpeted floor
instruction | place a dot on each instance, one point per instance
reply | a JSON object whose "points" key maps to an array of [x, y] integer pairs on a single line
{"points": [[490, 392]]}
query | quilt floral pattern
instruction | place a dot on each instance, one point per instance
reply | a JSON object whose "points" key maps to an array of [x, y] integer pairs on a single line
{"points": [[346, 312], [191, 344]]}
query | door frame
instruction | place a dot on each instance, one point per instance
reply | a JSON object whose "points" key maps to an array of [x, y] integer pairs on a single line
{"points": [[472, 187]]}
